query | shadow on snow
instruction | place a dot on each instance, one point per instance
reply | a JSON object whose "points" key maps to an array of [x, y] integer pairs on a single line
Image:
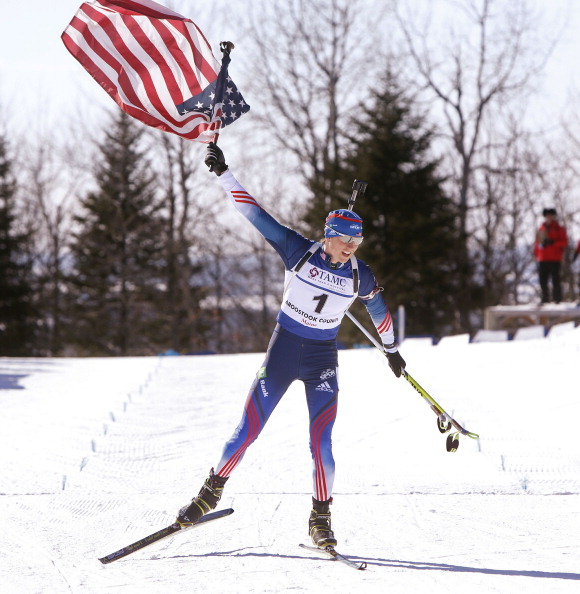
{"points": [[397, 563]]}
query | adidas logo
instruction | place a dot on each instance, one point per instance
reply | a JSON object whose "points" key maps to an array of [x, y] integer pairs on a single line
{"points": [[324, 387]]}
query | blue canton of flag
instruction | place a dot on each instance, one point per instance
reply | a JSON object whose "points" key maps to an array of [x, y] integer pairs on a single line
{"points": [[219, 100]]}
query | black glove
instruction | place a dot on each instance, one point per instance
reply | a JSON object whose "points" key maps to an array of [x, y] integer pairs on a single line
{"points": [[215, 159], [396, 362], [547, 242]]}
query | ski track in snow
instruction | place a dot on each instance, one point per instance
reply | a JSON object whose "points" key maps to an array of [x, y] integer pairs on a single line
{"points": [[98, 453]]}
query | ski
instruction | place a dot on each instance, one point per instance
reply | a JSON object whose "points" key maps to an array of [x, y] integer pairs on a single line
{"points": [[334, 554], [161, 534]]}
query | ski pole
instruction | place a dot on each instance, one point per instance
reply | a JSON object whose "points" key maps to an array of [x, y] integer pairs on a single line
{"points": [[444, 420], [358, 189]]}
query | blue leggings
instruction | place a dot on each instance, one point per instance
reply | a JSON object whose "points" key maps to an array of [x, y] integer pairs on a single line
{"points": [[290, 357]]}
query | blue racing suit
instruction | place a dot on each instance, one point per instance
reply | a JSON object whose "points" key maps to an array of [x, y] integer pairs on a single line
{"points": [[303, 345]]}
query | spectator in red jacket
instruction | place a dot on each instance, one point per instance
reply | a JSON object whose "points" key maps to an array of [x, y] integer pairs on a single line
{"points": [[549, 248], [576, 253]]}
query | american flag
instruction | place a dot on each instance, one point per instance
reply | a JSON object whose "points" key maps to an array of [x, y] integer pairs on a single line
{"points": [[221, 98], [157, 66]]}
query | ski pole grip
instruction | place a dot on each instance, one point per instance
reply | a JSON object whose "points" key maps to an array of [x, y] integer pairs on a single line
{"points": [[358, 189]]}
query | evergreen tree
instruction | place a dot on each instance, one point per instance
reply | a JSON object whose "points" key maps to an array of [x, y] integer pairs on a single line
{"points": [[17, 319], [410, 225], [118, 252]]}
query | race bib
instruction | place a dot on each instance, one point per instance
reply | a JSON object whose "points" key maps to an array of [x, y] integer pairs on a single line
{"points": [[318, 298]]}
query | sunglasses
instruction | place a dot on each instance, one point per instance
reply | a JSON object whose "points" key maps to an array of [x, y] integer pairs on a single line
{"points": [[348, 238]]}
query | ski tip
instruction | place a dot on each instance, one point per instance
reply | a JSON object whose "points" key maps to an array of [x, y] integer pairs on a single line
{"points": [[220, 513], [228, 511]]}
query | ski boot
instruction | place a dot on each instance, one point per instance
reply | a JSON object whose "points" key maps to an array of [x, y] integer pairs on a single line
{"points": [[319, 524], [206, 500]]}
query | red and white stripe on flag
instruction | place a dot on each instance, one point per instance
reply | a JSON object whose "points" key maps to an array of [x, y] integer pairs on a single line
{"points": [[149, 59]]}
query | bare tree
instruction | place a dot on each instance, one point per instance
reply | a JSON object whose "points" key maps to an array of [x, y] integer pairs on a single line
{"points": [[244, 287], [566, 152], [218, 272], [475, 74], [471, 67], [503, 208], [51, 187], [310, 59], [187, 213]]}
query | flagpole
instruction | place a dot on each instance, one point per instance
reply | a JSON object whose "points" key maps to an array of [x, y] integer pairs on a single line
{"points": [[226, 47]]}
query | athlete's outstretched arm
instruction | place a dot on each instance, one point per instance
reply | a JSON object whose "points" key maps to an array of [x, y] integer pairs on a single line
{"points": [[284, 240]]}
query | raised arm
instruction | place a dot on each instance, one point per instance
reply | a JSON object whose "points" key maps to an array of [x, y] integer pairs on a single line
{"points": [[284, 240]]}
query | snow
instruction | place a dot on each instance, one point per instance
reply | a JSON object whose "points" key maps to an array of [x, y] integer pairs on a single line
{"points": [[98, 453]]}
